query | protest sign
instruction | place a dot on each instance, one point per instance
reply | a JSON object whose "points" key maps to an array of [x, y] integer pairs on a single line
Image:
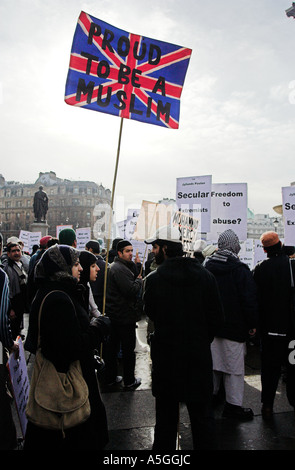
{"points": [[29, 239], [132, 213], [288, 196], [188, 229], [141, 249], [259, 253], [229, 209], [120, 228], [83, 236], [246, 254], [127, 75], [20, 384], [193, 197], [130, 227], [152, 216]]}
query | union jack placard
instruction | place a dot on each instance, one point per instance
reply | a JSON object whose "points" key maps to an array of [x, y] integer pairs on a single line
{"points": [[124, 74]]}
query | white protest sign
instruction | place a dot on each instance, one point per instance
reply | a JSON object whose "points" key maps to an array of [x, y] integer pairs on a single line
{"points": [[104, 220], [193, 196], [142, 249], [132, 213], [229, 209], [29, 239], [246, 254], [188, 230], [20, 384], [288, 196], [83, 236], [130, 227], [121, 228], [152, 216], [259, 253]]}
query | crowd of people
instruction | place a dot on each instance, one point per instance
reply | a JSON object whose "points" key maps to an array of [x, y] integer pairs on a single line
{"points": [[200, 311]]}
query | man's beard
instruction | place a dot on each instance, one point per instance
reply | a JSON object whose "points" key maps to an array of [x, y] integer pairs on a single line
{"points": [[159, 257]]}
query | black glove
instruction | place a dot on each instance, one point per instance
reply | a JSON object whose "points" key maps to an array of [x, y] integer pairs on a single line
{"points": [[103, 324]]}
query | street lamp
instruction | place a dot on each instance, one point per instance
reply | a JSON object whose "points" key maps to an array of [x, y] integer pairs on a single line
{"points": [[291, 11], [276, 224]]}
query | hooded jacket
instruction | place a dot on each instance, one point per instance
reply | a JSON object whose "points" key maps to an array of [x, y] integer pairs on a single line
{"points": [[182, 299], [238, 293]]}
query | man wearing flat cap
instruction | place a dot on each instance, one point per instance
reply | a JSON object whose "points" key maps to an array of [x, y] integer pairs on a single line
{"points": [[276, 320], [124, 286]]}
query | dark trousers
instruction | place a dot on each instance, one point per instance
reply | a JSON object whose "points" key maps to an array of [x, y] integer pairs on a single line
{"points": [[274, 355], [166, 428], [123, 336]]}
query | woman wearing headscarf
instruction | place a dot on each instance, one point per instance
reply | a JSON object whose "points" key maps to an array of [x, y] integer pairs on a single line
{"points": [[89, 274], [66, 335], [238, 295]]}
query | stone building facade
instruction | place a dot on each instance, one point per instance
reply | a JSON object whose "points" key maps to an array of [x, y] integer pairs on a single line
{"points": [[70, 203]]}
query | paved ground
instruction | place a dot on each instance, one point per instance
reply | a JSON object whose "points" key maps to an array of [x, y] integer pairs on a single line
{"points": [[131, 415]]}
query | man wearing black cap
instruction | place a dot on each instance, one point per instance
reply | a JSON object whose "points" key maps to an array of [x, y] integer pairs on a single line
{"points": [[276, 320], [123, 292]]}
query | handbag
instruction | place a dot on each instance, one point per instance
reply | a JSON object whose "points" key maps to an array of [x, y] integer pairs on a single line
{"points": [[57, 400]]}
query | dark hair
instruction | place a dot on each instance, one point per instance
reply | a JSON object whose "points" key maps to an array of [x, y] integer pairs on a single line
{"points": [[11, 245], [173, 249], [1, 238], [274, 249], [94, 245], [52, 241], [288, 250]]}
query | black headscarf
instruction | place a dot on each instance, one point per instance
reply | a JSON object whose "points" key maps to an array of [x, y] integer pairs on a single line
{"points": [[86, 259]]}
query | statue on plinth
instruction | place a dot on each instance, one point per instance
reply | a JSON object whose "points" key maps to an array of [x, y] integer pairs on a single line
{"points": [[40, 205]]}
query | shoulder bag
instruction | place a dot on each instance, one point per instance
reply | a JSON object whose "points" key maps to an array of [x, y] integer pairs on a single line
{"points": [[56, 401]]}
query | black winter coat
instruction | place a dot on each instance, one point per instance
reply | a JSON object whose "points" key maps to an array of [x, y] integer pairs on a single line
{"points": [[273, 279], [66, 336], [123, 292], [182, 300], [238, 293]]}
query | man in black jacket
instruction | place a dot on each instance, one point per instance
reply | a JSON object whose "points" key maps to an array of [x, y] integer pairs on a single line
{"points": [[276, 320], [14, 268], [123, 293], [182, 299], [238, 294]]}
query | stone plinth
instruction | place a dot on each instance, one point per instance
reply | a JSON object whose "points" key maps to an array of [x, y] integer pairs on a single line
{"points": [[40, 227]]}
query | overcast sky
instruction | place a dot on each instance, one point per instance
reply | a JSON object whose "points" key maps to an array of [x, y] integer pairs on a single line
{"points": [[237, 112]]}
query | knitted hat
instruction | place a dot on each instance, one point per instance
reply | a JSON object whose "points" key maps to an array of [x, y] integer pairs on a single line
{"points": [[86, 259], [121, 245], [269, 239], [67, 236], [228, 240]]}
